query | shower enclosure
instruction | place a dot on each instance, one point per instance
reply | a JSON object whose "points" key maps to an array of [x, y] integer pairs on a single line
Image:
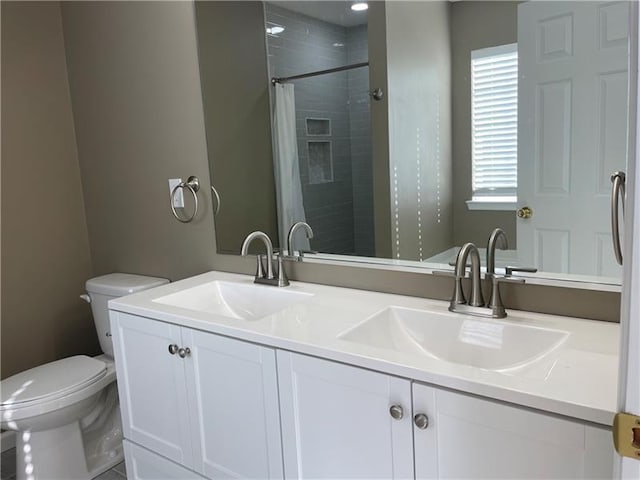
{"points": [[332, 123]]}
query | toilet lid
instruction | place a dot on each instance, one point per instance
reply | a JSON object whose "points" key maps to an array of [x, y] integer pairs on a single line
{"points": [[51, 380]]}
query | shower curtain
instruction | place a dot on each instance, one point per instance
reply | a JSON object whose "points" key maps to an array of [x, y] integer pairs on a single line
{"points": [[287, 170]]}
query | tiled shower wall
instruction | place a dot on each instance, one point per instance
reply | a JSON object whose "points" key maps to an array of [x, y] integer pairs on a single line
{"points": [[334, 205]]}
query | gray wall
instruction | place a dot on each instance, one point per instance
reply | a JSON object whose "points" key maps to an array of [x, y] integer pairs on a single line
{"points": [[137, 105], [235, 91], [45, 247], [419, 99], [474, 25]]}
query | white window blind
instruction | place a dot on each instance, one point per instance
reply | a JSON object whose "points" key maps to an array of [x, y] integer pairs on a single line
{"points": [[494, 122]]}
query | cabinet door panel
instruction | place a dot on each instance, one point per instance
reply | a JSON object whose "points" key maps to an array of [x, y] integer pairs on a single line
{"points": [[145, 465], [235, 407], [151, 386], [485, 439], [336, 421]]}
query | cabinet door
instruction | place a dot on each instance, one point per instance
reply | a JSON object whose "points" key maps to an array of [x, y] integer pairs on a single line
{"points": [[151, 385], [478, 438], [233, 393], [145, 465], [336, 420]]}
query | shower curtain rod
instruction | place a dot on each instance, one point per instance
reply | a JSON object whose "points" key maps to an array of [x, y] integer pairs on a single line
{"points": [[275, 80]]}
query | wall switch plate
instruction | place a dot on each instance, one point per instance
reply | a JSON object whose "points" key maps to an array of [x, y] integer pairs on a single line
{"points": [[178, 198]]}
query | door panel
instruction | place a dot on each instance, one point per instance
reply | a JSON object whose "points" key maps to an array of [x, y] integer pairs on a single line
{"points": [[234, 405], [152, 386], [336, 421], [479, 438]]}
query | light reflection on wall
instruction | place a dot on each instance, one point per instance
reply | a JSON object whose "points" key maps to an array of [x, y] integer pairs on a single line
{"points": [[419, 192], [7, 417], [396, 207]]}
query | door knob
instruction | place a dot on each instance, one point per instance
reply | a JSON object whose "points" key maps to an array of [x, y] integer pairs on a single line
{"points": [[184, 352], [421, 421], [173, 348], [525, 212], [396, 412]]}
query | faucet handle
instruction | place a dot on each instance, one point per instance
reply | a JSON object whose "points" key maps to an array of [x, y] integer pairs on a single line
{"points": [[510, 269], [506, 279]]}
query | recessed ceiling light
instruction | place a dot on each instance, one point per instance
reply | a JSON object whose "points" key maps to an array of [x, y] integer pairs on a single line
{"points": [[359, 7], [276, 29]]}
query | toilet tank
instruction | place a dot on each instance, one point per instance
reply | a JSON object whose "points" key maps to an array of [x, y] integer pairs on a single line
{"points": [[102, 289]]}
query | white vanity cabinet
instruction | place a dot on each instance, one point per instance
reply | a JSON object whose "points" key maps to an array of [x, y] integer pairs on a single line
{"points": [[200, 405], [210, 406], [337, 422]]}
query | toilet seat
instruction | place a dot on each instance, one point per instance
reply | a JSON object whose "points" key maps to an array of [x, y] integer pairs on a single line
{"points": [[51, 381]]}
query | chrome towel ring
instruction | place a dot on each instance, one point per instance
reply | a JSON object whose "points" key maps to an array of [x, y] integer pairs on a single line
{"points": [[193, 185]]}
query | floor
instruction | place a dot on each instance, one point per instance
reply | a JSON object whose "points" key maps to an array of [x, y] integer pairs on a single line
{"points": [[8, 468]]}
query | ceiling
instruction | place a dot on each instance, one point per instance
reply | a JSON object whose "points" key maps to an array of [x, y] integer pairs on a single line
{"points": [[336, 12]]}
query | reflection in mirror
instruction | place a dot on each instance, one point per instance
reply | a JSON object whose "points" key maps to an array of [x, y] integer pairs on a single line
{"points": [[494, 114]]}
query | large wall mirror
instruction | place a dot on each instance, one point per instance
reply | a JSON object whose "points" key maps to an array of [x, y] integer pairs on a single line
{"points": [[407, 129]]}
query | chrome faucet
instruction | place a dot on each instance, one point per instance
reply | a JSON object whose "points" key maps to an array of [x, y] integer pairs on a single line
{"points": [[269, 278], [475, 305], [475, 300], [495, 300], [292, 231]]}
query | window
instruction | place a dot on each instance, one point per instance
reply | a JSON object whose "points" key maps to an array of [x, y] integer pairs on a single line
{"points": [[494, 125]]}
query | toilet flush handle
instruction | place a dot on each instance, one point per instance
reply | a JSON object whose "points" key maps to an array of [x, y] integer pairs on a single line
{"points": [[85, 297]]}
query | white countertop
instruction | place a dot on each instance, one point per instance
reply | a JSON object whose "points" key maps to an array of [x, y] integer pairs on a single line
{"points": [[578, 379]]}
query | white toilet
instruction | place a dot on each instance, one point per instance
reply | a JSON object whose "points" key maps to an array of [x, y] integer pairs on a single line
{"points": [[66, 413]]}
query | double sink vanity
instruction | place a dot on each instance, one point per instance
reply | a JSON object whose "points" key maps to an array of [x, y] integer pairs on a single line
{"points": [[221, 377]]}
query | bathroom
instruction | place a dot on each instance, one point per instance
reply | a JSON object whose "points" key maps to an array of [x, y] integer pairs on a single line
{"points": [[99, 118]]}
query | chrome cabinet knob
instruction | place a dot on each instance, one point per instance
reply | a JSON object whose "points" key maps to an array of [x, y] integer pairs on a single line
{"points": [[396, 412], [421, 421], [173, 348], [184, 352]]}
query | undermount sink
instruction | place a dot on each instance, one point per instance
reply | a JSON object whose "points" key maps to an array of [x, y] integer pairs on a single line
{"points": [[235, 300], [488, 344]]}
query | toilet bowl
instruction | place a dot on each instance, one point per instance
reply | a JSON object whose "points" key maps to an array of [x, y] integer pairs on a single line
{"points": [[66, 413]]}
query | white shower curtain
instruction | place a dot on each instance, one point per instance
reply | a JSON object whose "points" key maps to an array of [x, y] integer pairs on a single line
{"points": [[287, 170]]}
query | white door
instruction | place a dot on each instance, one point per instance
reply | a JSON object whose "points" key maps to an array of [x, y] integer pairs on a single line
{"points": [[336, 421], [143, 464], [629, 379], [234, 404], [483, 439], [151, 385], [572, 131]]}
